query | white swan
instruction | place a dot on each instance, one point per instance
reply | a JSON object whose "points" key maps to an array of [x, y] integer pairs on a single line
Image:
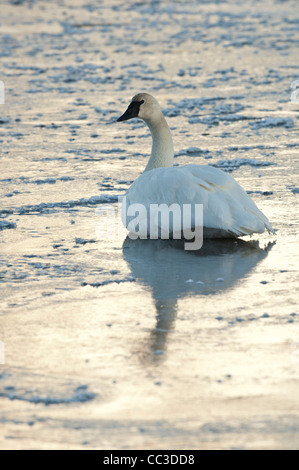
{"points": [[228, 211]]}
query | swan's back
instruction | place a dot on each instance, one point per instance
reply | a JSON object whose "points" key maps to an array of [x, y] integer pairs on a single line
{"points": [[227, 208]]}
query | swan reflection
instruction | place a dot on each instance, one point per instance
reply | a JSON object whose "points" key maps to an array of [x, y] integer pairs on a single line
{"points": [[172, 273]]}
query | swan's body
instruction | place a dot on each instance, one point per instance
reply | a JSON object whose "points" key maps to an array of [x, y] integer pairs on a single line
{"points": [[228, 211]]}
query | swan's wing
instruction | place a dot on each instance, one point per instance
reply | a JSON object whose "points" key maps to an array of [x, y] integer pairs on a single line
{"points": [[226, 206], [226, 201]]}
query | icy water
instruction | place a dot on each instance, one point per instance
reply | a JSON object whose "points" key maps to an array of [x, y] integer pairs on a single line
{"points": [[111, 343]]}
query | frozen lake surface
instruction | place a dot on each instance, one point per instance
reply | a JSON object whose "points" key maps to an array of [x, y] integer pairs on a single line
{"points": [[109, 343]]}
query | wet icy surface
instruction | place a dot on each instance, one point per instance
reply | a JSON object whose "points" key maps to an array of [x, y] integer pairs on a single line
{"points": [[114, 343]]}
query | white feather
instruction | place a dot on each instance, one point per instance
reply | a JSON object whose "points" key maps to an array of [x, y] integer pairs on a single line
{"points": [[228, 211]]}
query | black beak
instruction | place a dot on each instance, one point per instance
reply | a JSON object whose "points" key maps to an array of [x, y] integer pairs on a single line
{"points": [[128, 114], [131, 112]]}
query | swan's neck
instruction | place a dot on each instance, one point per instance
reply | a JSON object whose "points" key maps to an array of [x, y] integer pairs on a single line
{"points": [[162, 146]]}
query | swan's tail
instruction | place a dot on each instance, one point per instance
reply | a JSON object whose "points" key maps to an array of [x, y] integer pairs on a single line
{"points": [[270, 228], [254, 222]]}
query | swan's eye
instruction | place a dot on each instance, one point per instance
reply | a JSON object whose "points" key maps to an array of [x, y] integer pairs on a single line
{"points": [[135, 106]]}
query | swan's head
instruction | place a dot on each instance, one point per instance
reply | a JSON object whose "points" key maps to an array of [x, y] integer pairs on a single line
{"points": [[143, 106]]}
